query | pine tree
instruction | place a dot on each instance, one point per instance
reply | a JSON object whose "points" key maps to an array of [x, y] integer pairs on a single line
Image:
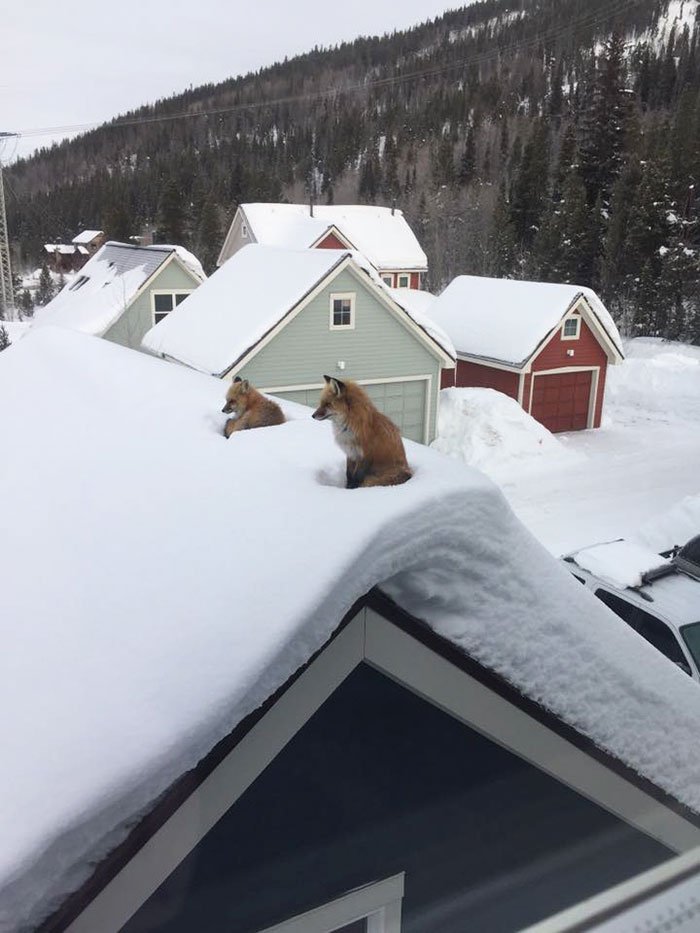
{"points": [[500, 247], [467, 164], [171, 215], [46, 290], [604, 123], [4, 338], [529, 188], [208, 238]]}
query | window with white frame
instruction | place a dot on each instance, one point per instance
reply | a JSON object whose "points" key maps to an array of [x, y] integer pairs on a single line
{"points": [[374, 908], [388, 279], [342, 311], [404, 281], [571, 328], [164, 302]]}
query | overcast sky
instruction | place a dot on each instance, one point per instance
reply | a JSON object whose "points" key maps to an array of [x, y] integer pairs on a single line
{"points": [[68, 62]]}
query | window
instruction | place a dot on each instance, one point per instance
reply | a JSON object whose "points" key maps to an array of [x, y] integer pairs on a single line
{"points": [[374, 908], [571, 328], [649, 627], [164, 302], [79, 282], [404, 281], [244, 232], [388, 280], [691, 636], [343, 311]]}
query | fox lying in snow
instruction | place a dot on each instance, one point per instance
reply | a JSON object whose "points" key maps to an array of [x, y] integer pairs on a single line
{"points": [[370, 441], [252, 410]]}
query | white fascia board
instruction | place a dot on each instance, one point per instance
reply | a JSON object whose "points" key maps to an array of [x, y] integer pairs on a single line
{"points": [[489, 363]]}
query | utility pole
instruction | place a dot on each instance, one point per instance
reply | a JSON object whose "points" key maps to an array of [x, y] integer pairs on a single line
{"points": [[7, 293]]}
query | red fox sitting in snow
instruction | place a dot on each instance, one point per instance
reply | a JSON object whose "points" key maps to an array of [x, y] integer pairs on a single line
{"points": [[251, 408], [370, 441]]}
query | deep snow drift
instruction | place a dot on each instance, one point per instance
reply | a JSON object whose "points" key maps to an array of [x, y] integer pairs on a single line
{"points": [[489, 430], [160, 582]]}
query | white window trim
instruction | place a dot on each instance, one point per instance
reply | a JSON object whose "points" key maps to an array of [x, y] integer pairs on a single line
{"points": [[166, 291], [390, 276], [403, 275], [342, 296], [378, 903], [571, 317]]}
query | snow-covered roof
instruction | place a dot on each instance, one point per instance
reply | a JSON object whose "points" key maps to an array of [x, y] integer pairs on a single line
{"points": [[244, 299], [86, 236], [104, 288], [385, 238], [139, 624], [65, 249], [506, 320]]}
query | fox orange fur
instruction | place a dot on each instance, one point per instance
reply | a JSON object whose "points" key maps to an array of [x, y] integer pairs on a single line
{"points": [[370, 441], [251, 408]]}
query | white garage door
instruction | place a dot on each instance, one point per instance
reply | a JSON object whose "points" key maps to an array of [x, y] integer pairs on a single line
{"points": [[403, 402]]}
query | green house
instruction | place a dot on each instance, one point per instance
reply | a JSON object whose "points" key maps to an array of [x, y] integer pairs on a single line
{"points": [[282, 318], [123, 290]]}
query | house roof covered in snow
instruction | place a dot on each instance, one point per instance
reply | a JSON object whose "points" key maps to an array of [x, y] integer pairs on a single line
{"points": [[106, 286], [381, 235], [86, 236], [508, 320], [242, 302], [65, 249], [151, 627]]}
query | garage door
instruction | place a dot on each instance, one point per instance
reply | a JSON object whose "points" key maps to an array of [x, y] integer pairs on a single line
{"points": [[403, 402], [560, 401]]}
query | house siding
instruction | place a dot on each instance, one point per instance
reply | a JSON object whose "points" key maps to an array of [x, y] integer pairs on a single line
{"points": [[486, 377], [331, 242], [588, 353], [378, 347], [235, 239], [131, 327]]}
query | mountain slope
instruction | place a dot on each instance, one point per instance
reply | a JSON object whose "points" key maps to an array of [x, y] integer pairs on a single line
{"points": [[484, 125]]}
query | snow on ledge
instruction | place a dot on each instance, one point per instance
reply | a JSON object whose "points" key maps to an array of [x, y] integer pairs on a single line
{"points": [[161, 582]]}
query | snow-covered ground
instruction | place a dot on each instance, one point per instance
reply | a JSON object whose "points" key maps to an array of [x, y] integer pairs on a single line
{"points": [[627, 474]]}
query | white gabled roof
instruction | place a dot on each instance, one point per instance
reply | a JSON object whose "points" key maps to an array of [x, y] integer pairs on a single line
{"points": [[65, 249], [156, 590], [246, 298], [86, 236], [104, 287], [506, 320], [384, 238]]}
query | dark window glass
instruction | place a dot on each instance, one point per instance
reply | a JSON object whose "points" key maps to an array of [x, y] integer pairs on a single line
{"points": [[342, 312], [180, 298], [691, 636], [649, 627], [162, 304], [359, 926], [580, 579], [378, 782], [571, 327]]}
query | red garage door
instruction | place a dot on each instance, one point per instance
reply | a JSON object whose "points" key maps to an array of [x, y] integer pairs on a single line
{"points": [[560, 401]]}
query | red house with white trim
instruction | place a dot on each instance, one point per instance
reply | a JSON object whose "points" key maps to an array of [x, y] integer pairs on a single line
{"points": [[546, 345], [381, 234]]}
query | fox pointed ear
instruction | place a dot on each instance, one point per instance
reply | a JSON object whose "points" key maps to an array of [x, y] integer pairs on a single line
{"points": [[237, 379], [337, 386], [245, 385], [327, 378]]}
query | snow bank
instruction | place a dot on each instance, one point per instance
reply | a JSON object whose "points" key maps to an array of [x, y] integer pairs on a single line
{"points": [[490, 431], [160, 582], [671, 528], [654, 373], [16, 329]]}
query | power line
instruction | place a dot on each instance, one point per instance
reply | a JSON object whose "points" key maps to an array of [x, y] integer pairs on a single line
{"points": [[587, 20]]}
